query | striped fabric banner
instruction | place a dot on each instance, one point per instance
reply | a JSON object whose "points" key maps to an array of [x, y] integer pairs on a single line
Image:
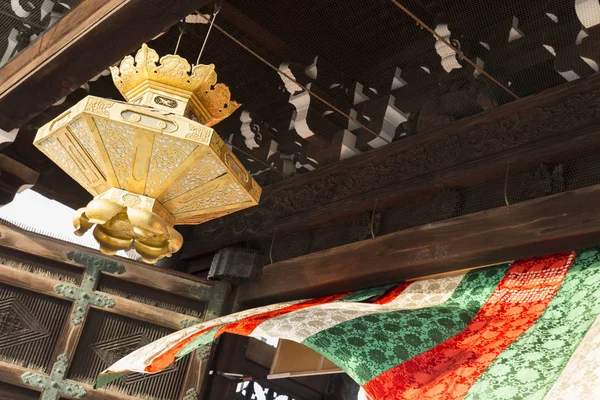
{"points": [[529, 330]]}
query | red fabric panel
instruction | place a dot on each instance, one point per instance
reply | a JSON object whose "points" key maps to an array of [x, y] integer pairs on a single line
{"points": [[247, 325], [449, 370]]}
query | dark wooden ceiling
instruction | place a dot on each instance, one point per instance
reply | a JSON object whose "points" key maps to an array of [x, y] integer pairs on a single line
{"points": [[367, 58], [372, 61]]}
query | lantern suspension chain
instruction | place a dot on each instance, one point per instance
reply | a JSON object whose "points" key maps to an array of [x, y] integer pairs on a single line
{"points": [[212, 22], [288, 77], [181, 31], [456, 50]]}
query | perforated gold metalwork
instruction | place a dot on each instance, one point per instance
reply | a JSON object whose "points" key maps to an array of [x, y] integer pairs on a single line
{"points": [[171, 83], [207, 168], [147, 167], [166, 158]]}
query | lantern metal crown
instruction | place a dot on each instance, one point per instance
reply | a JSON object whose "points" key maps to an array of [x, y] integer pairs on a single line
{"points": [[153, 162]]}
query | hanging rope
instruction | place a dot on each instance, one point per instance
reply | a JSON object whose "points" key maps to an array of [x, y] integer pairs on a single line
{"points": [[212, 21], [287, 76], [271, 249], [373, 219], [257, 160], [506, 186], [322, 100], [181, 30]]}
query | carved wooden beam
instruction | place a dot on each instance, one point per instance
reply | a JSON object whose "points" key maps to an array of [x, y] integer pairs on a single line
{"points": [[562, 222], [68, 253], [94, 35], [477, 147]]}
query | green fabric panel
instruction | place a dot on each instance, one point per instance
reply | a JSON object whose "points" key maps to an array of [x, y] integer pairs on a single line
{"points": [[533, 362], [103, 380], [365, 294], [367, 346], [199, 341]]}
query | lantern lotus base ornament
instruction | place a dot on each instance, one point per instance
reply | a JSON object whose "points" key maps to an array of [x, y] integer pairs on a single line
{"points": [[124, 219], [153, 162]]}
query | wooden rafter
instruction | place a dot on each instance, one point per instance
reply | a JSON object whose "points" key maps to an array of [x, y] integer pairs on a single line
{"points": [[94, 35]]}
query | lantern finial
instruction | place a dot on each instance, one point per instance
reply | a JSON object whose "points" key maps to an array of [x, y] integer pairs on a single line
{"points": [[171, 83]]}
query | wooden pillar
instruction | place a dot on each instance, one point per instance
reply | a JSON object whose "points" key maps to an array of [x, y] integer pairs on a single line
{"points": [[229, 356], [195, 375], [344, 388], [229, 351]]}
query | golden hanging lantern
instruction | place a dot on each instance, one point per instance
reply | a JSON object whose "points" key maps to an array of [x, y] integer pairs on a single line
{"points": [[153, 162]]}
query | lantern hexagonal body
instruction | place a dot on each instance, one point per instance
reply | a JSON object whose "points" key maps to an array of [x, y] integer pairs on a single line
{"points": [[149, 168]]}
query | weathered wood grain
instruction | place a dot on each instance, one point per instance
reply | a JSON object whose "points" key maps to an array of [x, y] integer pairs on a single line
{"points": [[561, 222], [144, 312], [11, 373], [69, 339], [28, 281], [163, 279], [93, 36]]}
